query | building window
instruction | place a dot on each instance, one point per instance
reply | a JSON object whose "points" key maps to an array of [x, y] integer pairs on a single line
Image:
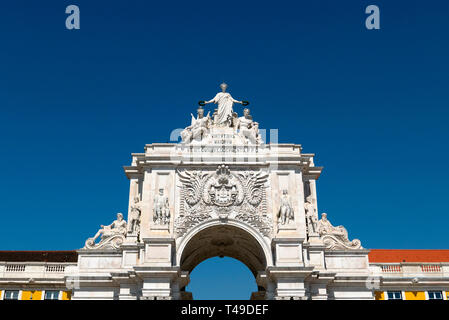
{"points": [[394, 295], [51, 295], [11, 295], [435, 295]]}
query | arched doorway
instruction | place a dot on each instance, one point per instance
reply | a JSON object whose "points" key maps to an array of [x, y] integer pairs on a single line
{"points": [[225, 240], [221, 279]]}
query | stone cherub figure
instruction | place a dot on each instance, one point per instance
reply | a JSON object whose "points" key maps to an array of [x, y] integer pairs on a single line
{"points": [[248, 128], [225, 101], [311, 217], [134, 217], [116, 228], [285, 214], [198, 128], [161, 209]]}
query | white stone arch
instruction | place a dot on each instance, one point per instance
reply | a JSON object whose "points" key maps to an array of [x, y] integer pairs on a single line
{"points": [[263, 242]]}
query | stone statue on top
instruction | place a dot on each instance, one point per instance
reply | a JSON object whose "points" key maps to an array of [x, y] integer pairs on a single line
{"points": [[225, 101]]}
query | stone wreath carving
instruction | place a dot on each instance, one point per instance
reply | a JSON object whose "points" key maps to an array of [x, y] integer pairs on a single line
{"points": [[223, 194], [111, 236], [335, 238]]}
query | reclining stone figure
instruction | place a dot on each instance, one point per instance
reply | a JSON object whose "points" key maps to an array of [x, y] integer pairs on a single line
{"points": [[112, 235]]}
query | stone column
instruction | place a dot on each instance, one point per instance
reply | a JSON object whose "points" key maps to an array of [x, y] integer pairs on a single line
{"points": [[300, 215], [160, 279], [315, 250], [159, 283], [264, 281], [128, 286], [146, 204], [131, 254], [312, 184], [289, 282], [289, 271], [317, 283]]}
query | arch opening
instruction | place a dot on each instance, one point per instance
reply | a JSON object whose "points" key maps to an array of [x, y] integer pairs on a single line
{"points": [[223, 241], [221, 279]]}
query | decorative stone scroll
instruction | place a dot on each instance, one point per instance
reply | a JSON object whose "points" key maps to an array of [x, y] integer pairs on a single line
{"points": [[335, 238], [112, 236], [223, 195]]}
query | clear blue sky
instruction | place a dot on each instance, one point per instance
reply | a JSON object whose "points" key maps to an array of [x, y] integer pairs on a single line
{"points": [[372, 105]]}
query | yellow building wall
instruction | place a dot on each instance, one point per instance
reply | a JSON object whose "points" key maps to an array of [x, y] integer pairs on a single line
{"points": [[66, 295], [415, 295], [379, 295], [32, 295]]}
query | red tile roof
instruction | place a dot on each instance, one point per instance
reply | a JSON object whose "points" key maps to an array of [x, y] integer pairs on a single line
{"points": [[39, 256], [408, 255]]}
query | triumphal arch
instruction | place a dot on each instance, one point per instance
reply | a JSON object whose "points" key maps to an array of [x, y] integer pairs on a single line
{"points": [[221, 190]]}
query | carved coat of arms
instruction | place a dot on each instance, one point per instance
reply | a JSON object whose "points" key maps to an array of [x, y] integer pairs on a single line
{"points": [[223, 194], [223, 189]]}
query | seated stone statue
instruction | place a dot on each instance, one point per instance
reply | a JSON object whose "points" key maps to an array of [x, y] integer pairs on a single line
{"points": [[116, 232], [198, 129], [235, 121], [256, 133], [248, 128], [335, 237]]}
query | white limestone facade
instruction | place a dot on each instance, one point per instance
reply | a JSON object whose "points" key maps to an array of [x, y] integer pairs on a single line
{"points": [[223, 191]]}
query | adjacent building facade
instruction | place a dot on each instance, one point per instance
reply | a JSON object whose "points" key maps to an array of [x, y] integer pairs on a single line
{"points": [[396, 274], [222, 191]]}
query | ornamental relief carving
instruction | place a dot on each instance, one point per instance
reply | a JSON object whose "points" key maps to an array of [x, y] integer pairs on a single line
{"points": [[223, 189], [223, 195]]}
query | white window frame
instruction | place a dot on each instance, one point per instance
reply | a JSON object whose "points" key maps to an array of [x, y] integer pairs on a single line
{"points": [[387, 298], [44, 292], [19, 295], [442, 294]]}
